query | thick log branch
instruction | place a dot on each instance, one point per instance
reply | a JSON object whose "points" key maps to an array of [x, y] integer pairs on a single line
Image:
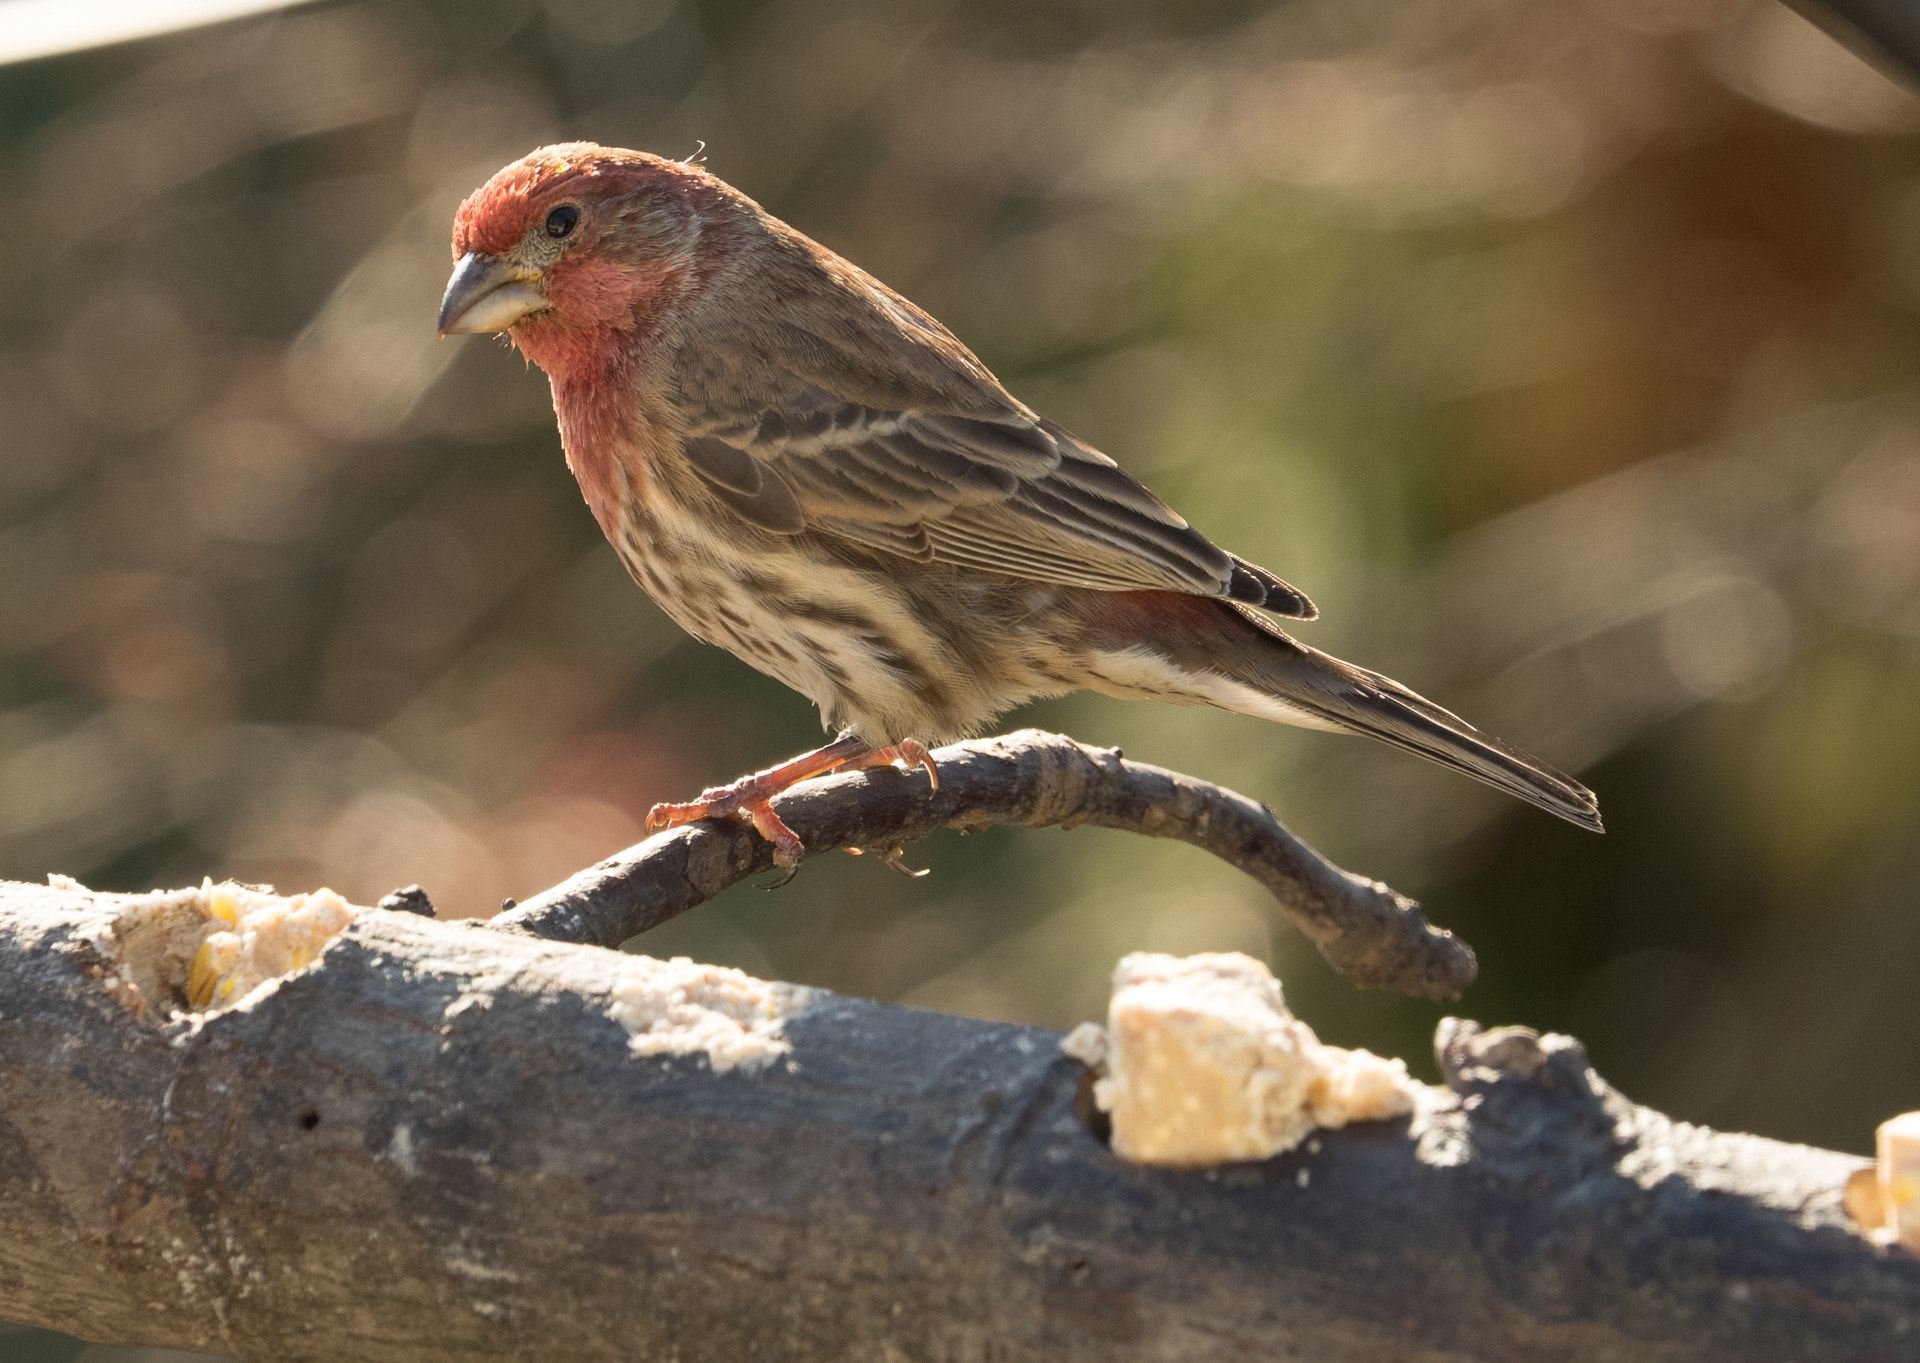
{"points": [[434, 1144], [1370, 934]]}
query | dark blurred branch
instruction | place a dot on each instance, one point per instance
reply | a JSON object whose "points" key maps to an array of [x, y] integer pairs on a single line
{"points": [[435, 1145], [1883, 32], [1373, 936]]}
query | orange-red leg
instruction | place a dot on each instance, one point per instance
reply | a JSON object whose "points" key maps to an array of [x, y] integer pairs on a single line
{"points": [[747, 798], [908, 753]]}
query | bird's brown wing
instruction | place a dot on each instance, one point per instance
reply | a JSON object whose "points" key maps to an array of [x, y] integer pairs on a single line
{"points": [[969, 477]]}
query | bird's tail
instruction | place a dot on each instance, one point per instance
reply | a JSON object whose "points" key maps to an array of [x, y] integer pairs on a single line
{"points": [[1226, 655]]}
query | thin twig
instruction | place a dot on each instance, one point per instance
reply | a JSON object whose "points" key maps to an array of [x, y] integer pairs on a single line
{"points": [[1370, 934]]}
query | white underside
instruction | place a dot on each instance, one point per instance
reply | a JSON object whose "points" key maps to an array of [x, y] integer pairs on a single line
{"points": [[1140, 674]]}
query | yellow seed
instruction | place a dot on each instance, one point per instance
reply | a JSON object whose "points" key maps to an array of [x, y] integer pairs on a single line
{"points": [[301, 955], [223, 907], [225, 990], [1903, 1188], [201, 978]]}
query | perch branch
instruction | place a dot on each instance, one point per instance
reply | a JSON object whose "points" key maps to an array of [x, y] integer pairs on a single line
{"points": [[1370, 934], [435, 1145]]}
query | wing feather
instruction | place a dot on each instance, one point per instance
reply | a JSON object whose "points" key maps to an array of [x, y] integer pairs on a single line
{"points": [[933, 460]]}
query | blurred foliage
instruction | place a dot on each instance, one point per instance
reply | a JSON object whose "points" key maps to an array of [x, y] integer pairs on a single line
{"points": [[1563, 353]]}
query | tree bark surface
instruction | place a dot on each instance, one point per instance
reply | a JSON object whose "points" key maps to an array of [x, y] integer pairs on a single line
{"points": [[434, 1144]]}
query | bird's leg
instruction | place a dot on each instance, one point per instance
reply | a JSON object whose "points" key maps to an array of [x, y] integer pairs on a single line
{"points": [[908, 753], [746, 799]]}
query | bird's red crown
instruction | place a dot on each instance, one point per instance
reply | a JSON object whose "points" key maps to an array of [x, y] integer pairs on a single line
{"points": [[498, 214]]}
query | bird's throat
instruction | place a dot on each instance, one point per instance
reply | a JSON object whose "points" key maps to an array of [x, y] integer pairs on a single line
{"points": [[598, 412]]}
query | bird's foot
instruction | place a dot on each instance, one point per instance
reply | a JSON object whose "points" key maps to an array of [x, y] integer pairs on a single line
{"points": [[891, 860], [746, 800], [908, 753]]}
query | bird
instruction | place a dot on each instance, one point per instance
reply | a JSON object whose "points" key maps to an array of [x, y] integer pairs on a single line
{"points": [[808, 470]]}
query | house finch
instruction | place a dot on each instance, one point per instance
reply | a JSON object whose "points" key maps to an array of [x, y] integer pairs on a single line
{"points": [[804, 468]]}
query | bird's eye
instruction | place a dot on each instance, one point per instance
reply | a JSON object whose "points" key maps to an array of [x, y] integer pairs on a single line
{"points": [[562, 220]]}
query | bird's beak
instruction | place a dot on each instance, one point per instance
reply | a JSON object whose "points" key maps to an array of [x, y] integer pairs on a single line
{"points": [[487, 293]]}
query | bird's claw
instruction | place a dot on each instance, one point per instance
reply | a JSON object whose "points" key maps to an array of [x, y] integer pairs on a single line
{"points": [[891, 859], [780, 881], [909, 753], [913, 753], [736, 802]]}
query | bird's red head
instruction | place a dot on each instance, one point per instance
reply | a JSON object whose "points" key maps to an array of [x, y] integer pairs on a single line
{"points": [[499, 214], [575, 239]]}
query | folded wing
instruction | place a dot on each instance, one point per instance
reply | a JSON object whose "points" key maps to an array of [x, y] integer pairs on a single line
{"points": [[983, 484]]}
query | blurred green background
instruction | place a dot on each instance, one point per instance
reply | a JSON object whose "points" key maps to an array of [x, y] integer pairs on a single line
{"points": [[1565, 354]]}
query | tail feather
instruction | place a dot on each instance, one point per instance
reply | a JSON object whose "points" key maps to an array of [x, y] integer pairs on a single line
{"points": [[1272, 675], [1367, 703], [1364, 702]]}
